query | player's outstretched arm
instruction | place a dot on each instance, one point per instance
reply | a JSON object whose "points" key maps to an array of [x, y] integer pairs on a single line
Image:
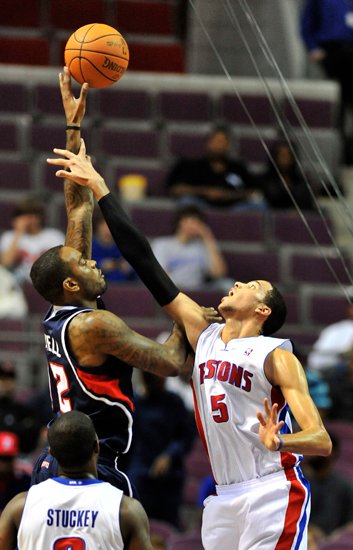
{"points": [[132, 244], [134, 525], [78, 199], [284, 370], [10, 520]]}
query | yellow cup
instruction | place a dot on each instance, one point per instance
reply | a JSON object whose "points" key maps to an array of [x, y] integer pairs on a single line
{"points": [[132, 187]]}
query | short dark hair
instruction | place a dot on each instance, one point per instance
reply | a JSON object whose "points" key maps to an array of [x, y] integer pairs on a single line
{"points": [[48, 274], [187, 211], [72, 439], [276, 319]]}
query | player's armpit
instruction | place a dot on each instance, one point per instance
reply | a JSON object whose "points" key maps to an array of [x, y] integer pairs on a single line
{"points": [[96, 334], [134, 525]]}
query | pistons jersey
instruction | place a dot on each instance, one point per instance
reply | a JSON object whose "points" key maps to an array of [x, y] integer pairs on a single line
{"points": [[104, 393], [230, 385], [62, 513]]}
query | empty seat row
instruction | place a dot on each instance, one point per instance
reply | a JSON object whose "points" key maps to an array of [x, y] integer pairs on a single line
{"points": [[122, 103]]}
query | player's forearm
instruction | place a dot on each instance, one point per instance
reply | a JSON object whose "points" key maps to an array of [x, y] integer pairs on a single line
{"points": [[313, 441], [137, 251]]}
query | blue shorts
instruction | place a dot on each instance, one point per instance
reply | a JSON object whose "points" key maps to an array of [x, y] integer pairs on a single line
{"points": [[46, 466]]}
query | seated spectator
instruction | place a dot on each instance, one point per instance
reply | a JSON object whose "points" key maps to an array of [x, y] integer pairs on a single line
{"points": [[331, 493], [13, 304], [275, 193], [341, 388], [16, 416], [334, 343], [107, 255], [12, 479], [162, 437], [28, 238], [191, 255], [216, 179]]}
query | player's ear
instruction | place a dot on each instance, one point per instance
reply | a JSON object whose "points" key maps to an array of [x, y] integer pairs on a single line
{"points": [[263, 310], [71, 285]]}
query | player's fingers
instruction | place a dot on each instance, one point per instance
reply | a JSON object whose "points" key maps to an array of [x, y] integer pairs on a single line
{"points": [[58, 162], [82, 151], [63, 174], [267, 407], [64, 153], [274, 412], [279, 425], [261, 418]]}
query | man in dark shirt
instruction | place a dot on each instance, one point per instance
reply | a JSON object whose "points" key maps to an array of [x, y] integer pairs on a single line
{"points": [[215, 179]]}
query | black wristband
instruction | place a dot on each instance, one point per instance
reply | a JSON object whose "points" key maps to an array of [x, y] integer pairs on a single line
{"points": [[69, 127]]}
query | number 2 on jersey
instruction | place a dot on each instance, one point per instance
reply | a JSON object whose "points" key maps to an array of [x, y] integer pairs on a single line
{"points": [[219, 408], [62, 385]]}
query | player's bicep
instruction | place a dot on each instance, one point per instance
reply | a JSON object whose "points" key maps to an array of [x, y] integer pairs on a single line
{"points": [[134, 525], [9, 522]]}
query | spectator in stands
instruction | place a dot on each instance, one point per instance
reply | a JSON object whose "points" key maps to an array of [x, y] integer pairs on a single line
{"points": [[215, 179], [162, 437], [331, 493], [15, 415], [28, 238], [107, 255], [334, 343], [13, 303], [327, 31], [275, 193], [341, 388], [191, 256], [12, 479]]}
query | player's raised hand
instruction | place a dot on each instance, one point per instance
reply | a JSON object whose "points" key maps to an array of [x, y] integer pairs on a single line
{"points": [[269, 426], [74, 108]]}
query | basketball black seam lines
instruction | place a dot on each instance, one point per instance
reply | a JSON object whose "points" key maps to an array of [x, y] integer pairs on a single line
{"points": [[82, 75], [80, 50]]}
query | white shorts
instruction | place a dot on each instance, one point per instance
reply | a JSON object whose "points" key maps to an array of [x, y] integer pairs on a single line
{"points": [[268, 513]]}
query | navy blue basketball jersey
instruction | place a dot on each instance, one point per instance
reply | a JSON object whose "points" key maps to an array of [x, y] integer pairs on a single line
{"points": [[104, 393]]}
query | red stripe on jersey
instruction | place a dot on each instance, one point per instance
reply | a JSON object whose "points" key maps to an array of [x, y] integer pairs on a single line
{"points": [[296, 501], [199, 423], [103, 385]]}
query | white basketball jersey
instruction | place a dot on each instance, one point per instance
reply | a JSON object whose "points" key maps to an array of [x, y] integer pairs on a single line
{"points": [[229, 386], [65, 514]]}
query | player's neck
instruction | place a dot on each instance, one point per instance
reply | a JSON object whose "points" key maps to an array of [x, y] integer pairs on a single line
{"points": [[234, 329]]}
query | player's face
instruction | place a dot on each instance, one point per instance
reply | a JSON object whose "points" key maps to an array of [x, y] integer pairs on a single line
{"points": [[244, 297], [90, 279]]}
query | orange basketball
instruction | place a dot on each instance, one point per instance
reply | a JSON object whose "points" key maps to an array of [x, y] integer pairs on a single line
{"points": [[97, 54]]}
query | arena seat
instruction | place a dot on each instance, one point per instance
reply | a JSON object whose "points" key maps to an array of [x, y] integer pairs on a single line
{"points": [[245, 226], [245, 266], [183, 143], [14, 97], [314, 269], [16, 13], [155, 176], [132, 300], [251, 150], [36, 304], [68, 14], [124, 104], [325, 309], [154, 17], [36, 50], [156, 57], [232, 112], [317, 113], [288, 227], [185, 106], [152, 222], [10, 138], [15, 174], [129, 142]]}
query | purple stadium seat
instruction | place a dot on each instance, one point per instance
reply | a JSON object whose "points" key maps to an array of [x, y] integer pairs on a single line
{"points": [[130, 143], [155, 177], [153, 222], [45, 136], [15, 175], [47, 100], [13, 335], [155, 17], [36, 304], [13, 97], [148, 329], [16, 13], [259, 107], [185, 106], [317, 113], [24, 50], [124, 104], [159, 57], [326, 309], [186, 144], [68, 14], [129, 300], [6, 208], [288, 227], [308, 268], [251, 149], [293, 310], [237, 226], [245, 266], [9, 136], [206, 297]]}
